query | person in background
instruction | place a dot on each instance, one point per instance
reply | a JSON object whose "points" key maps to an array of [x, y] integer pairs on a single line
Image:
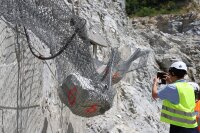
{"points": [[178, 100], [197, 100]]}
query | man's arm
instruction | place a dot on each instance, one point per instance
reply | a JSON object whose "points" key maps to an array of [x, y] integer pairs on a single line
{"points": [[165, 92], [155, 88]]}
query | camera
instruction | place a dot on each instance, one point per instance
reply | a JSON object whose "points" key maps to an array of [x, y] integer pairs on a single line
{"points": [[161, 76]]}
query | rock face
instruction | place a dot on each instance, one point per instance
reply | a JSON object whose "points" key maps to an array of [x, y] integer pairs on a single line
{"points": [[36, 108], [197, 1]]}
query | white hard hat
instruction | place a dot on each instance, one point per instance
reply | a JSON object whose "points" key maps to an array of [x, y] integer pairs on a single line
{"points": [[179, 65], [195, 86]]}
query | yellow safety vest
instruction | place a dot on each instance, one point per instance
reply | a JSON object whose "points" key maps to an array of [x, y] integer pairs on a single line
{"points": [[181, 114]]}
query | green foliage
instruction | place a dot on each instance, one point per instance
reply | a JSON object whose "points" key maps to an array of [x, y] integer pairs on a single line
{"points": [[132, 6], [152, 7], [171, 5], [146, 11]]}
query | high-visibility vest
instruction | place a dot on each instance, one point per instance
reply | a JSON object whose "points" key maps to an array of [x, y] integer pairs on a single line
{"points": [[181, 114]]}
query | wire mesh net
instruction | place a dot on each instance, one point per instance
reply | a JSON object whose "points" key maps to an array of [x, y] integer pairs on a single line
{"points": [[51, 25], [20, 81]]}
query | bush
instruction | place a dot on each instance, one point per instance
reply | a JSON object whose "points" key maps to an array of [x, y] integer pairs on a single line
{"points": [[146, 11], [164, 11], [151, 7], [132, 6], [171, 5]]}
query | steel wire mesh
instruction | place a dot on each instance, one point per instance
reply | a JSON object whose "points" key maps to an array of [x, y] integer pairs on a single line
{"points": [[51, 25]]}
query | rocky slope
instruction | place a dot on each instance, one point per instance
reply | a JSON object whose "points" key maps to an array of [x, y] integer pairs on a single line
{"points": [[168, 38]]}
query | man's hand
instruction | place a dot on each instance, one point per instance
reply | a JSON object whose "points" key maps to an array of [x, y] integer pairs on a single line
{"points": [[156, 80], [167, 78]]}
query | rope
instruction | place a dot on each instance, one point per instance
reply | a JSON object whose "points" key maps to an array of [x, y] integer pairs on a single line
{"points": [[17, 108], [2, 128], [17, 51], [41, 57], [49, 68]]}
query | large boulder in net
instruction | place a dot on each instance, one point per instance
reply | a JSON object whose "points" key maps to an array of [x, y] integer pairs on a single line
{"points": [[85, 98]]}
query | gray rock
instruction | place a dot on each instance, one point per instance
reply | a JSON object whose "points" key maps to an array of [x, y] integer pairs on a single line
{"points": [[39, 108]]}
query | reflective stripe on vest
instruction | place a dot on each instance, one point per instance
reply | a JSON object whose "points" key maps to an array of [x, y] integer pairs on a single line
{"points": [[182, 120], [178, 111]]}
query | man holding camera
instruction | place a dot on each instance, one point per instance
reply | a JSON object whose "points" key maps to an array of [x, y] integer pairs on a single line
{"points": [[178, 99]]}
